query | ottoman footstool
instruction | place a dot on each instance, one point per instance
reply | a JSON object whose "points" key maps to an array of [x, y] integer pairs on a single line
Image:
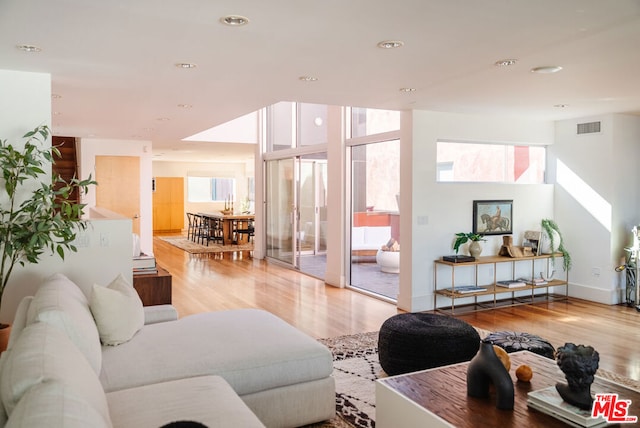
{"points": [[512, 341], [418, 341]]}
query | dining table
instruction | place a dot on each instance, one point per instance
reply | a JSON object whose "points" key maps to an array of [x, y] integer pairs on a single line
{"points": [[231, 223]]}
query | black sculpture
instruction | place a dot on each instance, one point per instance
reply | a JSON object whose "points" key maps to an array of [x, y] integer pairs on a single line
{"points": [[486, 368], [579, 365]]}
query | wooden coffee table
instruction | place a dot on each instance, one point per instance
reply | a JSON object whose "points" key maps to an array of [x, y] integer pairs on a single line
{"points": [[438, 397]]}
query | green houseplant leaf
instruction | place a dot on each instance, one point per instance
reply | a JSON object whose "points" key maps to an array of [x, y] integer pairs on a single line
{"points": [[549, 226], [462, 238], [35, 218]]}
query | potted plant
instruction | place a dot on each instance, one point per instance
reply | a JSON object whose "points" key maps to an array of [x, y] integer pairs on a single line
{"points": [[551, 231], [37, 213], [462, 238]]}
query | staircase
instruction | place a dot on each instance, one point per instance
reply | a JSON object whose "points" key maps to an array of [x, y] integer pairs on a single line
{"points": [[66, 165]]}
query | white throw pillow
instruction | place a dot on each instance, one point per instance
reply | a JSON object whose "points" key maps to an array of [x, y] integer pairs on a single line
{"points": [[118, 311], [60, 303]]}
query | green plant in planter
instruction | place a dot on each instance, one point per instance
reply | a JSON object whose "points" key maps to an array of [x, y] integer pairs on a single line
{"points": [[36, 213], [462, 238], [549, 226]]}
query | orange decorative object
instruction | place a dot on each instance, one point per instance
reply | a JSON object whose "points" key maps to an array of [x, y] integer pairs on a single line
{"points": [[503, 356], [524, 373]]}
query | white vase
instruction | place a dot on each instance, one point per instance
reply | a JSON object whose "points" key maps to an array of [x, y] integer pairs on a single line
{"points": [[545, 242], [475, 249]]}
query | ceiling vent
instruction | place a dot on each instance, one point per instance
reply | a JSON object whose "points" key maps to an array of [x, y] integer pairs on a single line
{"points": [[588, 128]]}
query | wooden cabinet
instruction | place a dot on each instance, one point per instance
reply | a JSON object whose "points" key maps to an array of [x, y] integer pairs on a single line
{"points": [[154, 289], [494, 296], [168, 204]]}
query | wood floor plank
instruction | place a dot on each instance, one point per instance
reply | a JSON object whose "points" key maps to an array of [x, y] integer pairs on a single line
{"points": [[213, 282]]}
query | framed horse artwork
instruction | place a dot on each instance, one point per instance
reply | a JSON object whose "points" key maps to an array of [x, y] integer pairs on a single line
{"points": [[493, 217]]}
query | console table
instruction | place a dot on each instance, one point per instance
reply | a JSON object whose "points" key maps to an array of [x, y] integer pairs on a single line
{"points": [[154, 289], [489, 298], [438, 398]]}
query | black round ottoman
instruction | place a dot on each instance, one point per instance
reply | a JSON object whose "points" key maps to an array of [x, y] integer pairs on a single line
{"points": [[418, 341], [512, 341]]}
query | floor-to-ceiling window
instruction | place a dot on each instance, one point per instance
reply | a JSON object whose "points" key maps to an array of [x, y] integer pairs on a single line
{"points": [[374, 194], [296, 186]]}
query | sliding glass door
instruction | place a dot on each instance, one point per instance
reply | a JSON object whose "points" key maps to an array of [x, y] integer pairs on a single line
{"points": [[312, 208], [297, 212], [280, 210]]}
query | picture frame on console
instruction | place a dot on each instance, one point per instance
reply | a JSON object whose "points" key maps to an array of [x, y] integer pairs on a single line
{"points": [[493, 217]]}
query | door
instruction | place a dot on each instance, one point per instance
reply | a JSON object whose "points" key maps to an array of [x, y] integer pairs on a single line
{"points": [[168, 204], [118, 186], [312, 219], [281, 212]]}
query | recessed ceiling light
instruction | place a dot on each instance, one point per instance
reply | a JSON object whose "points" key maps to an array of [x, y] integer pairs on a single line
{"points": [[505, 62], [407, 89], [163, 119], [308, 78], [56, 113], [56, 96], [185, 65], [234, 20], [185, 105], [29, 48], [547, 69], [561, 105], [390, 44]]}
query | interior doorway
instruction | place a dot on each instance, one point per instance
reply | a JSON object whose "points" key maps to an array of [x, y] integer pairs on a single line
{"points": [[118, 188]]}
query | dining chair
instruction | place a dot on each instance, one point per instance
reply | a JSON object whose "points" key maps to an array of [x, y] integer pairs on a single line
{"points": [[191, 226], [249, 230], [215, 230]]}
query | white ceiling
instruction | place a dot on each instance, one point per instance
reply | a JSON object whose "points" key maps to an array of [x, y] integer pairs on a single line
{"points": [[113, 62]]}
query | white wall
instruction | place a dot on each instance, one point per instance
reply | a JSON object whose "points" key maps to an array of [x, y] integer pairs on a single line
{"points": [[104, 251], [431, 212], [26, 103], [597, 230], [89, 148]]}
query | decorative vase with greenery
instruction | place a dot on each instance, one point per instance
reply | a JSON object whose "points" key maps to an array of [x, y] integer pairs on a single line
{"points": [[551, 229], [462, 238], [37, 212]]}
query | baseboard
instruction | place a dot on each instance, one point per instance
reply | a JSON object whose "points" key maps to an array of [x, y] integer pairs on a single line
{"points": [[594, 294]]}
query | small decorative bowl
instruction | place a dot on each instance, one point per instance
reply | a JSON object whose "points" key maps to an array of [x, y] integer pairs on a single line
{"points": [[226, 212]]}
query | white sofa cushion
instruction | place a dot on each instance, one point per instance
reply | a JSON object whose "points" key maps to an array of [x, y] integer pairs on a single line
{"points": [[43, 353], [60, 303], [159, 313], [205, 399], [253, 350], [369, 237], [54, 404], [117, 310]]}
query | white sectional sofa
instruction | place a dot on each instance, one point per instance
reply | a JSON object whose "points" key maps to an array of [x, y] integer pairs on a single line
{"points": [[244, 368]]}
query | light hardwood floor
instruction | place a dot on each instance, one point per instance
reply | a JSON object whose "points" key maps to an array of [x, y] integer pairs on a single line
{"points": [[212, 282]]}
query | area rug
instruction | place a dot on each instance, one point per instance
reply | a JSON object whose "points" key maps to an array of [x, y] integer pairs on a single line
{"points": [[195, 248], [356, 368]]}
